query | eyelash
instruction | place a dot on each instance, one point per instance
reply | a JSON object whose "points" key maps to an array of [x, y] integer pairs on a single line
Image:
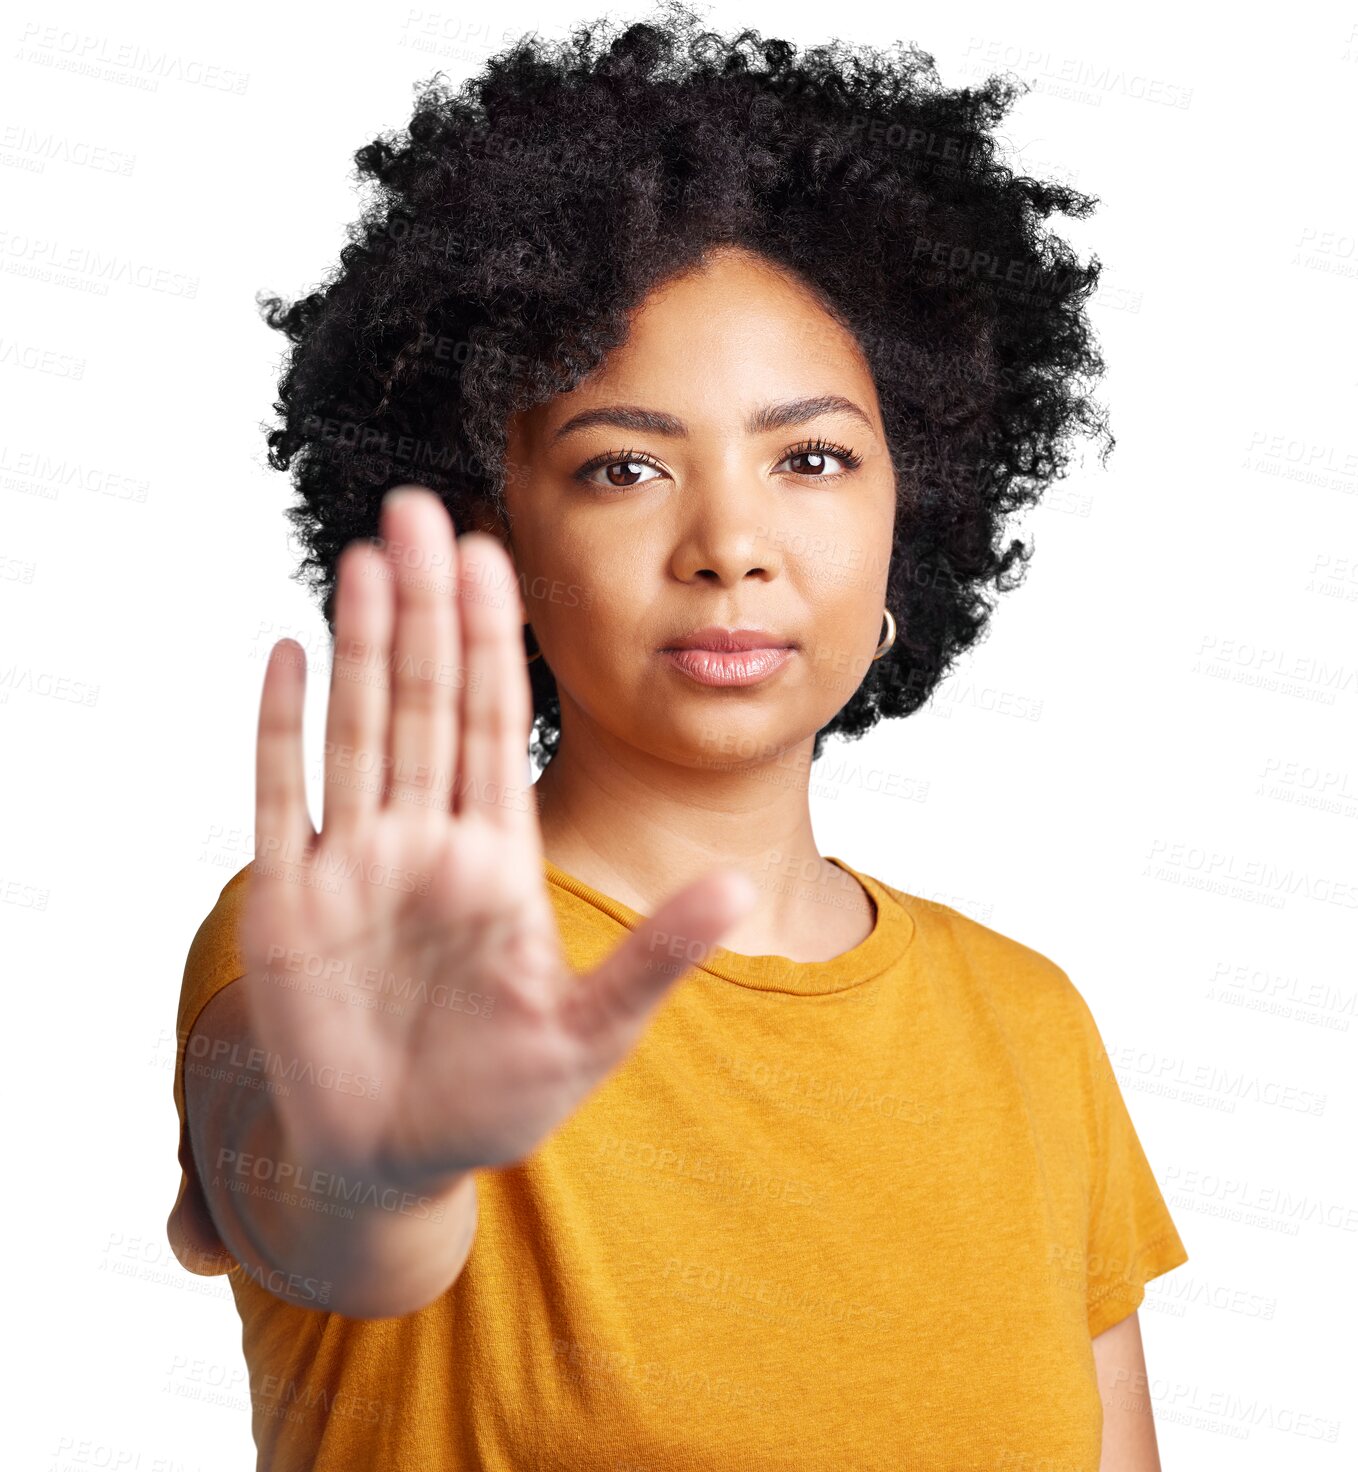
{"points": [[639, 457]]}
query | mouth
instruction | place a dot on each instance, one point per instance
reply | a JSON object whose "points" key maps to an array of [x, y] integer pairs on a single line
{"points": [[729, 657], [729, 667]]}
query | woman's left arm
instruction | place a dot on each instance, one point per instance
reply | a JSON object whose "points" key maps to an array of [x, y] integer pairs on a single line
{"points": [[1128, 1422]]}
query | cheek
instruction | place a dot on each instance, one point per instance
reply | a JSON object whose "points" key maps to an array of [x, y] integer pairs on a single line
{"points": [[591, 600], [558, 579], [844, 594], [854, 558]]}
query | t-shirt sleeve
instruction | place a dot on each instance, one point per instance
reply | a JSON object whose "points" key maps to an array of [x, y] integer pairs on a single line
{"points": [[214, 960], [1132, 1237]]}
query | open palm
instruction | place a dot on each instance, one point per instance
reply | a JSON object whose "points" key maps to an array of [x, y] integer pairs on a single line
{"points": [[411, 972]]}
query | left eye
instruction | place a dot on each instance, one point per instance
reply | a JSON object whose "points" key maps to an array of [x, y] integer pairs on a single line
{"points": [[816, 459]]}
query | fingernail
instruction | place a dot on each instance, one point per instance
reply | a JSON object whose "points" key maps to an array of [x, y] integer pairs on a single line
{"points": [[400, 493]]}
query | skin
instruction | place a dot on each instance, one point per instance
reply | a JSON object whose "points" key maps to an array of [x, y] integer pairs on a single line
{"points": [[658, 779], [1128, 1418]]}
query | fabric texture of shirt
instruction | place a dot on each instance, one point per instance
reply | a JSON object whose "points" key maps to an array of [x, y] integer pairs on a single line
{"points": [[864, 1213]]}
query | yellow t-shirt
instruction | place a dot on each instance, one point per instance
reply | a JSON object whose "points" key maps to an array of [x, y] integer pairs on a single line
{"points": [[864, 1213]]}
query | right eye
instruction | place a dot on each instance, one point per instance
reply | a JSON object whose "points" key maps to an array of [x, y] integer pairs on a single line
{"points": [[622, 467]]}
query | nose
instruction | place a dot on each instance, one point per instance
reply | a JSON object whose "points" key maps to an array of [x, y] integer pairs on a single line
{"points": [[727, 534]]}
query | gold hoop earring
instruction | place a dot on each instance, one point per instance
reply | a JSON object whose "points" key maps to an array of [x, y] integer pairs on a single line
{"points": [[537, 654], [890, 638]]}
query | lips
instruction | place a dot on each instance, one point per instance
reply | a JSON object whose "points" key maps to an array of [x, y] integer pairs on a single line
{"points": [[721, 640], [715, 655]]}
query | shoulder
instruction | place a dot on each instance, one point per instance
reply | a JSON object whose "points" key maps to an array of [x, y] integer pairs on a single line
{"points": [[1028, 991], [214, 950], [230, 897]]}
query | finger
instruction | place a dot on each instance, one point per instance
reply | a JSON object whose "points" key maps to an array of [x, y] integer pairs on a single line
{"points": [[497, 702], [283, 830], [425, 651], [360, 691], [607, 1009]]}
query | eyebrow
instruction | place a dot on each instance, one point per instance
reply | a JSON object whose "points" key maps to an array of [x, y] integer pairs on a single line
{"points": [[767, 417]]}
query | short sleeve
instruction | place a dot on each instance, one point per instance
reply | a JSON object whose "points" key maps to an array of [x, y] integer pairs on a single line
{"points": [[214, 960], [1132, 1237]]}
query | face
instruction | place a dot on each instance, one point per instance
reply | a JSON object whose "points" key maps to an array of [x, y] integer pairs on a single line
{"points": [[688, 484]]}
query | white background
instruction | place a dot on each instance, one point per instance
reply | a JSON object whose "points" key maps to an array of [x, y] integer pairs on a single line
{"points": [[1148, 771]]}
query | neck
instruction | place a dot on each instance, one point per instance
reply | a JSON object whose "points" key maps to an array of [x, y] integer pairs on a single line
{"points": [[640, 828]]}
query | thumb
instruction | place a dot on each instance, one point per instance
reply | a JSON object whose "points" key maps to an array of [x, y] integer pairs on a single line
{"points": [[608, 1008]]}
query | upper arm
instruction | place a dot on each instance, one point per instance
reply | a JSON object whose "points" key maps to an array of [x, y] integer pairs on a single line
{"points": [[216, 1100], [1130, 1235], [1128, 1421], [220, 1034], [209, 1024]]}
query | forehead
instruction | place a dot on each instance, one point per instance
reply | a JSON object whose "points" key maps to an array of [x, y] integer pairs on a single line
{"points": [[735, 294], [714, 342]]}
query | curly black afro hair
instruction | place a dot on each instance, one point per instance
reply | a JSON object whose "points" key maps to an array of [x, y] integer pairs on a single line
{"points": [[520, 217]]}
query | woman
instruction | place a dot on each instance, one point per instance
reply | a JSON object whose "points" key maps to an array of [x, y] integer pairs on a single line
{"points": [[605, 1122]]}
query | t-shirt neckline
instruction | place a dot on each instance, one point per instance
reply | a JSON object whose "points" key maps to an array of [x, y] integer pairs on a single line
{"points": [[893, 930]]}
